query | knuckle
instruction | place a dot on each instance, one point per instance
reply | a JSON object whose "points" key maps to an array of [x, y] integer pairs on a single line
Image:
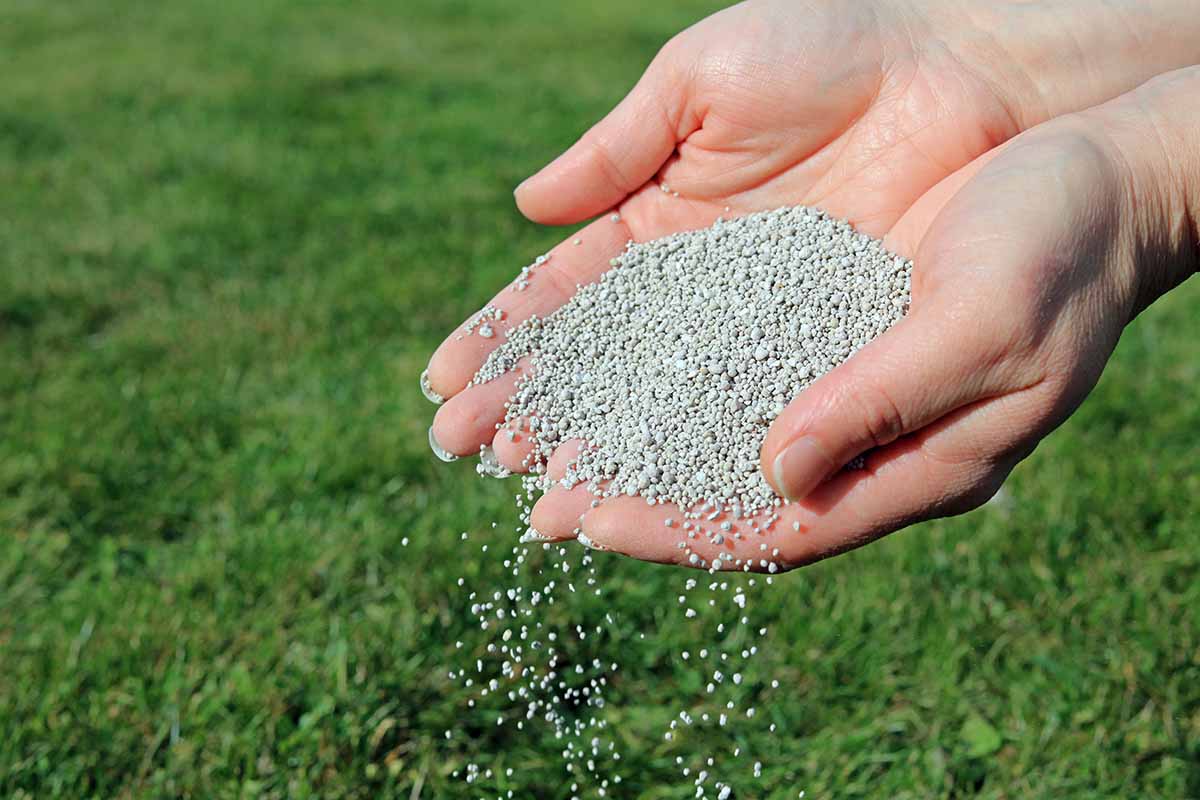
{"points": [[880, 415], [1185, 80], [1070, 148], [977, 493], [601, 151], [560, 285], [1013, 344], [977, 480], [672, 50]]}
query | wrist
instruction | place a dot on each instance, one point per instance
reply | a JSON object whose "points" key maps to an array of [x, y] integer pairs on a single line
{"points": [[1052, 58], [1154, 133]]}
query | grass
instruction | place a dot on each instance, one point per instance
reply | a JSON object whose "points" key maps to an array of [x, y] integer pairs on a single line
{"points": [[230, 234]]}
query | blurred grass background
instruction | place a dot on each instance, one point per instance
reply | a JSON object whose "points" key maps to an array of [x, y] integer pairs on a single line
{"points": [[230, 234]]}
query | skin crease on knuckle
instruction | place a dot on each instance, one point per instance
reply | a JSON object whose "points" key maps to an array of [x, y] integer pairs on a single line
{"points": [[976, 495], [882, 419], [972, 488]]}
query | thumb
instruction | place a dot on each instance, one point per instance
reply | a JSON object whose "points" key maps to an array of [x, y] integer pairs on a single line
{"points": [[619, 154], [926, 366]]}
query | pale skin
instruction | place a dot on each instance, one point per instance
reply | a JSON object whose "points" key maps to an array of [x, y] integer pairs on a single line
{"points": [[1039, 162]]}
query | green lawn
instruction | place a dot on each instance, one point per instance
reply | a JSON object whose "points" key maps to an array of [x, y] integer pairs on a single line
{"points": [[231, 233]]}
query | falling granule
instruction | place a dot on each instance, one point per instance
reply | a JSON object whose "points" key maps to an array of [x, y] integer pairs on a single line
{"points": [[671, 368]]}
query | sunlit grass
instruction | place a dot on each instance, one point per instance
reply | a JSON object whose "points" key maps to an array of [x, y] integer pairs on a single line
{"points": [[230, 234]]}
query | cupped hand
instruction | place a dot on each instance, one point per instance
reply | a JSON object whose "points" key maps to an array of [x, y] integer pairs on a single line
{"points": [[1029, 263], [862, 113]]}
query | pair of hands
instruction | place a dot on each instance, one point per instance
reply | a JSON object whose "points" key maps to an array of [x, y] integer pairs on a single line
{"points": [[1045, 193]]}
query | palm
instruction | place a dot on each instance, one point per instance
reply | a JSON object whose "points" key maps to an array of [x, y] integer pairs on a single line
{"points": [[863, 130]]}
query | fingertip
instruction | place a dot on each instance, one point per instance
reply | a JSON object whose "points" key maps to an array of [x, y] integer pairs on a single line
{"points": [[801, 466], [513, 449], [528, 198], [447, 434], [565, 191], [615, 158], [455, 362], [522, 196], [563, 458], [469, 419], [628, 525], [557, 513]]}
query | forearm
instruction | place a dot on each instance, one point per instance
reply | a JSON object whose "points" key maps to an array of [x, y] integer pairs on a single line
{"points": [[1060, 56]]}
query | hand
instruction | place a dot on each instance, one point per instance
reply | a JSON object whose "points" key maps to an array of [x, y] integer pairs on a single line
{"points": [[735, 113], [1031, 261]]}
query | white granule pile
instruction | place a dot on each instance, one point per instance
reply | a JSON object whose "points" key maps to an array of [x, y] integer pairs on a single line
{"points": [[672, 366]]}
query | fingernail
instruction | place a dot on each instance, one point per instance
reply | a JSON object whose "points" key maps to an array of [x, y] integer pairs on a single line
{"points": [[438, 450], [490, 465], [588, 543], [531, 535], [800, 468], [427, 390]]}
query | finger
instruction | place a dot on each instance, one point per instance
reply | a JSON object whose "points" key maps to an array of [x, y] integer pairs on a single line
{"points": [[949, 467], [937, 359], [556, 513], [470, 418], [563, 459], [619, 154], [660, 533], [547, 287], [514, 446]]}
